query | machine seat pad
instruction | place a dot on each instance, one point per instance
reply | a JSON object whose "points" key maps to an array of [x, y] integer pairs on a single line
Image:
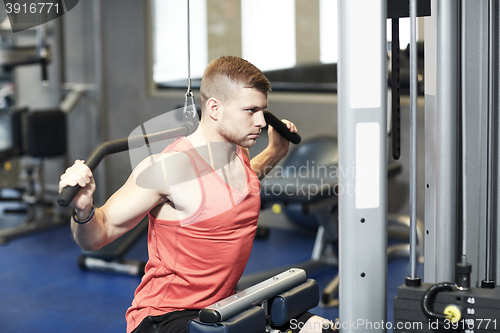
{"points": [[294, 302], [252, 320]]}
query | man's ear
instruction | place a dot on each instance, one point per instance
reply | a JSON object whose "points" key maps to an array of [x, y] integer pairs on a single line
{"points": [[214, 108]]}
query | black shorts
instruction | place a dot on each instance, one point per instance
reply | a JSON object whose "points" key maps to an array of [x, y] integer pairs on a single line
{"points": [[172, 322]]}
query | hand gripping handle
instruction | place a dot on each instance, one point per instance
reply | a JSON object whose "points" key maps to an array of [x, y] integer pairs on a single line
{"points": [[96, 156], [280, 126]]}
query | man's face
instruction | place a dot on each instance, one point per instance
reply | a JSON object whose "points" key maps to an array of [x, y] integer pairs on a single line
{"points": [[242, 117]]}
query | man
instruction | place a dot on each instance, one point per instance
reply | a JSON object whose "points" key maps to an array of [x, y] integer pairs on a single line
{"points": [[203, 217]]}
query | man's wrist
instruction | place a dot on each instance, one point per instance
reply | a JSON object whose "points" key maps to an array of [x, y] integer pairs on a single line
{"points": [[80, 217], [276, 153]]}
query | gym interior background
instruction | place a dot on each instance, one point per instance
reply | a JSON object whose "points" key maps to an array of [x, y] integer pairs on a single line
{"points": [[106, 49]]}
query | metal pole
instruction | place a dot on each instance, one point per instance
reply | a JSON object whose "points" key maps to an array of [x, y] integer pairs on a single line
{"points": [[463, 94], [413, 138], [446, 138], [489, 210]]}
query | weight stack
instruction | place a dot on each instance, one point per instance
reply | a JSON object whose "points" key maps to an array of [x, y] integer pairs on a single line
{"points": [[479, 309]]}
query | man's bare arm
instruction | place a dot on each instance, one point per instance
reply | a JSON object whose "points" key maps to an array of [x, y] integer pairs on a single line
{"points": [[124, 210], [276, 150], [264, 162], [126, 207]]}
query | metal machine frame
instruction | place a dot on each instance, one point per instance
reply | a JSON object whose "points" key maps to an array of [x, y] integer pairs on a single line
{"points": [[459, 41], [461, 76], [362, 132]]}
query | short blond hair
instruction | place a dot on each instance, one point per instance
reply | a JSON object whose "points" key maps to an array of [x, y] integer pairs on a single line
{"points": [[223, 74]]}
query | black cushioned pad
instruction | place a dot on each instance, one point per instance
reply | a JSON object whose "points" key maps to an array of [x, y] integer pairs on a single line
{"points": [[294, 302], [252, 320]]}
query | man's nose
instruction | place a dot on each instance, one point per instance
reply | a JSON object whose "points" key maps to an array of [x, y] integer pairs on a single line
{"points": [[259, 120]]}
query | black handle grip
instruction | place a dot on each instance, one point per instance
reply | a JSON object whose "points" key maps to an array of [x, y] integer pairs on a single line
{"points": [[116, 146], [96, 156], [45, 75], [280, 126], [67, 194]]}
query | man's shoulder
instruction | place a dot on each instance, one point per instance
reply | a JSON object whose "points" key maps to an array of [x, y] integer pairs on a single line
{"points": [[163, 170]]}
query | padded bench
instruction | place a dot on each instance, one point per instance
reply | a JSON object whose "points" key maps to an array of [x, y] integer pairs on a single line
{"points": [[262, 307]]}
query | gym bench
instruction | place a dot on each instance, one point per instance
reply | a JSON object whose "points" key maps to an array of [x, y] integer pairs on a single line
{"points": [[261, 308]]}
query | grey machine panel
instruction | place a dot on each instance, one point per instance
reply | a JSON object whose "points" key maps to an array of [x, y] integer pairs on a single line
{"points": [[362, 132]]}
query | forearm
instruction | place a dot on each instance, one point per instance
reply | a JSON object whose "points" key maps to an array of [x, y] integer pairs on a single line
{"points": [[264, 162], [92, 235], [123, 211]]}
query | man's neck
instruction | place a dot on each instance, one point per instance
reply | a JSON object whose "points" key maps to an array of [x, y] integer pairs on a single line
{"points": [[220, 153]]}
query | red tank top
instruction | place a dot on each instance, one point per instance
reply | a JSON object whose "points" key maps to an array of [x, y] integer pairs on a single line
{"points": [[198, 261]]}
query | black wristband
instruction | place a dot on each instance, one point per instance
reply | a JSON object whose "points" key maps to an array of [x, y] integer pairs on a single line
{"points": [[87, 219]]}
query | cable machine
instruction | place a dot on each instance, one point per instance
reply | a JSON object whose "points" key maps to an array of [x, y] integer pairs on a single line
{"points": [[461, 170], [460, 293]]}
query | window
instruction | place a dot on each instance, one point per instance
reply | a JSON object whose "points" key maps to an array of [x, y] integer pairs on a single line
{"points": [[170, 40], [261, 31], [328, 31], [268, 33]]}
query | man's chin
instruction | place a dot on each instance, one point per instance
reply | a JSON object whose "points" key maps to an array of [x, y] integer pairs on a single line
{"points": [[247, 143]]}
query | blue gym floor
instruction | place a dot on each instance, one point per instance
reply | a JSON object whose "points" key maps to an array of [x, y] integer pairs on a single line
{"points": [[42, 289]]}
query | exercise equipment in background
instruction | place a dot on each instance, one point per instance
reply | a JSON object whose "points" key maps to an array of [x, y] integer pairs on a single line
{"points": [[12, 55], [29, 137], [454, 305]]}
